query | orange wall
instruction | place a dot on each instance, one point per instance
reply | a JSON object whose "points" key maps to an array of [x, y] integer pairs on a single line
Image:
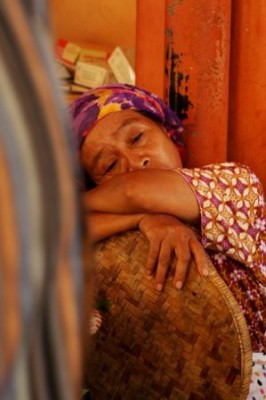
{"points": [[198, 36], [247, 112], [150, 45], [109, 22]]}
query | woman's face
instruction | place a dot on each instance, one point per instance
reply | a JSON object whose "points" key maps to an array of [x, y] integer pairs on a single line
{"points": [[124, 141]]}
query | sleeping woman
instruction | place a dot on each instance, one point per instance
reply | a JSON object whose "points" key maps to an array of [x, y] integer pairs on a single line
{"points": [[131, 150]]}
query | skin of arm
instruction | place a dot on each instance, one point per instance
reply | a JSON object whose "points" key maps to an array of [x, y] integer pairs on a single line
{"points": [[103, 225], [145, 191]]}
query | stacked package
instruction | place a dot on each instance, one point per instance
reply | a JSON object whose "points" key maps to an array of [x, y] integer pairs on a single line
{"points": [[81, 67]]}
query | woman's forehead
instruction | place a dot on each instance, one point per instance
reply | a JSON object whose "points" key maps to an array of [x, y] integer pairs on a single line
{"points": [[109, 127], [107, 133], [115, 119]]}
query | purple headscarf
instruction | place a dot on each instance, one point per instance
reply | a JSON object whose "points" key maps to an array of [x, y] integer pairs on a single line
{"points": [[98, 102]]}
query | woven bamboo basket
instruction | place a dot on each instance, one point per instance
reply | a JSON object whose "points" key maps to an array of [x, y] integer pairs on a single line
{"points": [[187, 344]]}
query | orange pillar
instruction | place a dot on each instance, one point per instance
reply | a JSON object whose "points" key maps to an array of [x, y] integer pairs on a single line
{"points": [[150, 45], [191, 40], [247, 122], [198, 35]]}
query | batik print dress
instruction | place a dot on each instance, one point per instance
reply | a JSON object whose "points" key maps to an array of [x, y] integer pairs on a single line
{"points": [[233, 232]]}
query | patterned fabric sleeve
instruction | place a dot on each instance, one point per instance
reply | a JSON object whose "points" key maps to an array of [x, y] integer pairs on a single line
{"points": [[231, 204]]}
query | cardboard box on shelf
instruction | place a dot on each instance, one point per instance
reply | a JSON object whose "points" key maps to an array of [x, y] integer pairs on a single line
{"points": [[92, 65], [67, 53], [122, 63], [88, 53], [92, 73], [86, 63]]}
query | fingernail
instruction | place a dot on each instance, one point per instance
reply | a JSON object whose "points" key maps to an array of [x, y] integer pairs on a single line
{"points": [[179, 285], [159, 287], [205, 272]]}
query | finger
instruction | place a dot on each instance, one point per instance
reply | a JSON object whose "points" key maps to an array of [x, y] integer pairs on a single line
{"points": [[199, 256], [162, 266], [183, 259], [153, 255]]}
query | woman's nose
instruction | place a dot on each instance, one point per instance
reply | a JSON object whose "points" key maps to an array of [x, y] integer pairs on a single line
{"points": [[138, 163], [145, 162]]}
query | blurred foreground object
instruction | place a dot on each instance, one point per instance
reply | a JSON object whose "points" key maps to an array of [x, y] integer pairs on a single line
{"points": [[40, 262], [187, 344]]}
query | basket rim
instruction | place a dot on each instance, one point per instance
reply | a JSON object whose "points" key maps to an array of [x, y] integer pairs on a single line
{"points": [[240, 325]]}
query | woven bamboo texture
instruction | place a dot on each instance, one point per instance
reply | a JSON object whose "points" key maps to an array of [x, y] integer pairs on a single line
{"points": [[188, 344]]}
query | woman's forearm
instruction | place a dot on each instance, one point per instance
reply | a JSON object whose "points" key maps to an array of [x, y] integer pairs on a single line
{"points": [[103, 225], [145, 191]]}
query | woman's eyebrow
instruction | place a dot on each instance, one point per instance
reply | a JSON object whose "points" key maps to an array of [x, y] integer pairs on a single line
{"points": [[125, 124]]}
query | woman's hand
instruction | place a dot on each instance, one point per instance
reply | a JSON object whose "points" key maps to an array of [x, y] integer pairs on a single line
{"points": [[171, 243]]}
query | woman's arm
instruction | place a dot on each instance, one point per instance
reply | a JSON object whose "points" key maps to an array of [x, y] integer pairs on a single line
{"points": [[145, 191], [103, 225]]}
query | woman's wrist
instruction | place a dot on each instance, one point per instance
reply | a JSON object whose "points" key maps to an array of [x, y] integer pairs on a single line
{"points": [[140, 220]]}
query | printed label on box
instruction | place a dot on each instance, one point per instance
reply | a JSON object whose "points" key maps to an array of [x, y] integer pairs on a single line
{"points": [[122, 67], [90, 75]]}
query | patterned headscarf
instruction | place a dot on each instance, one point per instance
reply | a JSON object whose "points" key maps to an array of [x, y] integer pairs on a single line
{"points": [[96, 103]]}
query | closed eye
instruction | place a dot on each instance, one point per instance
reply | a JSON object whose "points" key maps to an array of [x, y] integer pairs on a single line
{"points": [[136, 138], [110, 166]]}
